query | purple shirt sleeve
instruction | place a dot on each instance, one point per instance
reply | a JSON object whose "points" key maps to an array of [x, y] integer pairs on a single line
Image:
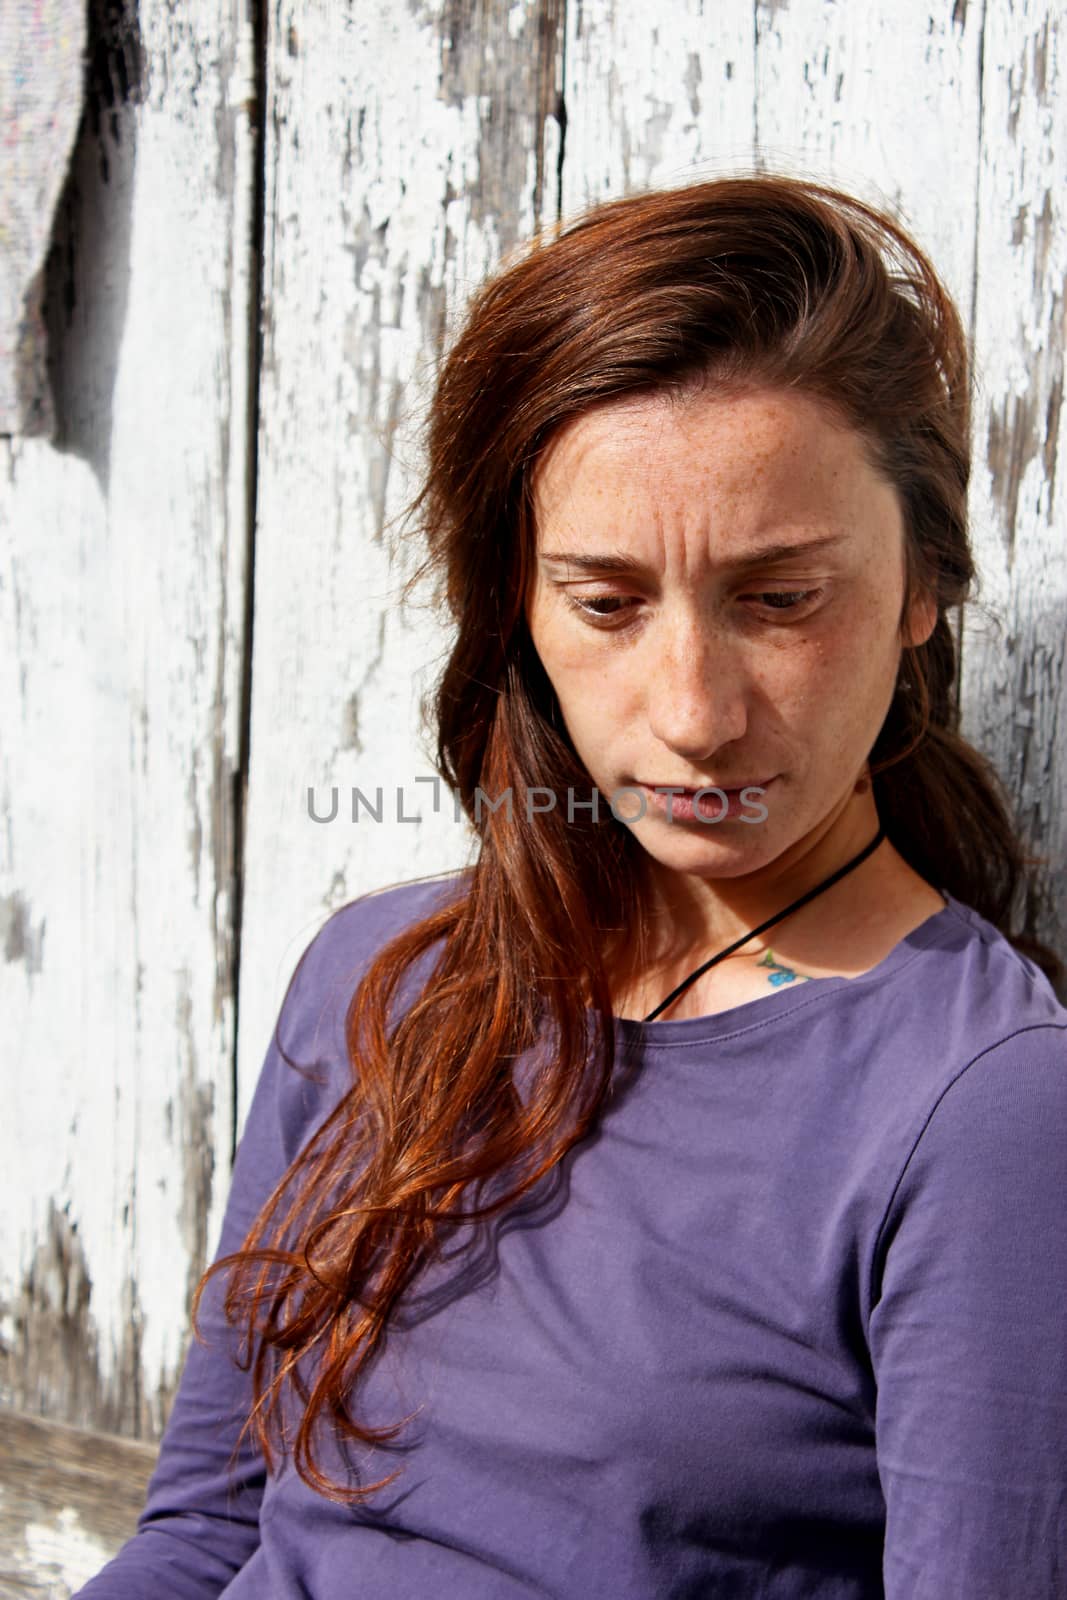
{"points": [[968, 1336]]}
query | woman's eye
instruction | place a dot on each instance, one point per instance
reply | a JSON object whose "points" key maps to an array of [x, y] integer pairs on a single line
{"points": [[601, 607], [785, 599], [619, 609]]}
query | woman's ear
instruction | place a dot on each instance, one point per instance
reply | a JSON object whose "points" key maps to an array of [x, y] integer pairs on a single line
{"points": [[920, 620]]}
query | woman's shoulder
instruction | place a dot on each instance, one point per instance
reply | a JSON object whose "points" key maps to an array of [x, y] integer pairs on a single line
{"points": [[954, 999], [372, 919], [963, 1003], [981, 1147], [972, 965], [334, 960]]}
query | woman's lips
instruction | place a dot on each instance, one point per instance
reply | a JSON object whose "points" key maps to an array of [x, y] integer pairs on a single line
{"points": [[678, 804]]}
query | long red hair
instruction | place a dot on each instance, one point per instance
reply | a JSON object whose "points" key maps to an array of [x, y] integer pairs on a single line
{"points": [[757, 279]]}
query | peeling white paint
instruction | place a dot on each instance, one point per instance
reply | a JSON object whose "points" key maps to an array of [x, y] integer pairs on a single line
{"points": [[119, 678], [356, 284], [630, 125], [1013, 658], [61, 1552]]}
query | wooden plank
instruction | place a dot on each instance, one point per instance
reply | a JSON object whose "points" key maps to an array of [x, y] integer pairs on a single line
{"points": [[671, 94], [68, 1500], [407, 148], [121, 634], [656, 95], [1015, 650], [886, 106]]}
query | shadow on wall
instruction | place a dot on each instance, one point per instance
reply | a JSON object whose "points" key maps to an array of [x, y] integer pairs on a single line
{"points": [[88, 269]]}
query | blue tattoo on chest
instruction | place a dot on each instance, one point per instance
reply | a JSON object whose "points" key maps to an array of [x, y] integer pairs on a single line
{"points": [[780, 973]]}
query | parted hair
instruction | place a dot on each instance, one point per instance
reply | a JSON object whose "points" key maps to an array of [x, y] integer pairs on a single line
{"points": [[754, 280]]}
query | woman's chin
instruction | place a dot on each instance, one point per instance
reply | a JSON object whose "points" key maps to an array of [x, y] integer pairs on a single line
{"points": [[728, 852]]}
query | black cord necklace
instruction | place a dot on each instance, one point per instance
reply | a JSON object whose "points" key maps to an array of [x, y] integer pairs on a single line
{"points": [[819, 887]]}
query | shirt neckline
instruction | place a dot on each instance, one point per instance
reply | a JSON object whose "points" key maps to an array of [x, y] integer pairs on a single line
{"points": [[772, 1007]]}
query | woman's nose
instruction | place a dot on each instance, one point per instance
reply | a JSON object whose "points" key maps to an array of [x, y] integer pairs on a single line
{"points": [[696, 700]]}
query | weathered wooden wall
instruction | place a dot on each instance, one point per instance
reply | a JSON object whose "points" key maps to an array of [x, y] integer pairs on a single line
{"points": [[158, 664], [1014, 686], [122, 623], [68, 1498]]}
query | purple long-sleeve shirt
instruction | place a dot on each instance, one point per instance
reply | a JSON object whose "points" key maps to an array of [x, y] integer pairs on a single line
{"points": [[792, 1324]]}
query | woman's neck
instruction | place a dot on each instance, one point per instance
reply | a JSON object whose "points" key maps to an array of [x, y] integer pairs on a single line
{"points": [[687, 909], [844, 931]]}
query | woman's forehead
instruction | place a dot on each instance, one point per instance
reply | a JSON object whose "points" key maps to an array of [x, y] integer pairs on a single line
{"points": [[754, 458]]}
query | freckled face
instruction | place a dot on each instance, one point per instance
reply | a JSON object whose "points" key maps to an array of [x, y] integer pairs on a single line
{"points": [[683, 652]]}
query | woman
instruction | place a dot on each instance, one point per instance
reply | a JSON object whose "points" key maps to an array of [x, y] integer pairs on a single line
{"points": [[675, 1210]]}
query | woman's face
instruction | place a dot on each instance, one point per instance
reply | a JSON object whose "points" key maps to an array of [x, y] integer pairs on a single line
{"points": [[717, 602]]}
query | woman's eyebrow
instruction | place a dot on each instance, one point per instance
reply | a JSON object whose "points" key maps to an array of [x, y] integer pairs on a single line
{"points": [[590, 563], [761, 555], [783, 550]]}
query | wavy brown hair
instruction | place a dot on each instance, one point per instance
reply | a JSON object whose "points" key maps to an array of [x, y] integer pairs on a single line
{"points": [[753, 280]]}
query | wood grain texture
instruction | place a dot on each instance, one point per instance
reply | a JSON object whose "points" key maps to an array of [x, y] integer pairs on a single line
{"points": [[68, 1499], [655, 96], [121, 624], [887, 107], [1015, 647], [408, 147]]}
